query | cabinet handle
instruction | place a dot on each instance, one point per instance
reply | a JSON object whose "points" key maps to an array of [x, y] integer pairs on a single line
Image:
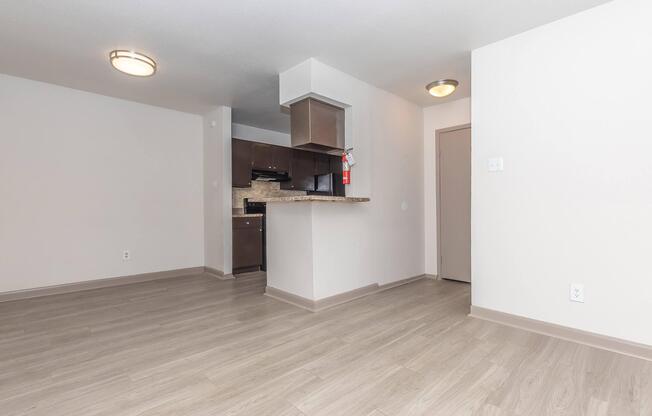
{"points": [[247, 222], [260, 229]]}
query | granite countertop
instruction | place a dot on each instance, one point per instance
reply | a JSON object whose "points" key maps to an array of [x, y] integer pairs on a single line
{"points": [[309, 198], [246, 215]]}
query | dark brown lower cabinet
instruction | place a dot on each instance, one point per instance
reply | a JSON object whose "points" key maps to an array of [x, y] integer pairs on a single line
{"points": [[247, 244]]}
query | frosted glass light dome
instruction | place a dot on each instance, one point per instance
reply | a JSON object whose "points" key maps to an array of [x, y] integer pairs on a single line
{"points": [[133, 63], [442, 88]]}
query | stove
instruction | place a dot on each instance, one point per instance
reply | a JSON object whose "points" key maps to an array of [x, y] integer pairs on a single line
{"points": [[258, 208]]}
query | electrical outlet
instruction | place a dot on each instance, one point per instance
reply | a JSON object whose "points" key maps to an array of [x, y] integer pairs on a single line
{"points": [[577, 292], [495, 164], [126, 255]]}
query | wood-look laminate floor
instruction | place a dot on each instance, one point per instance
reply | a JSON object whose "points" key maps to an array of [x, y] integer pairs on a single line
{"points": [[199, 346]]}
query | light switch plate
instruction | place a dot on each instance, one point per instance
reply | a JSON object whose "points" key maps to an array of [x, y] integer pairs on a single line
{"points": [[495, 164]]}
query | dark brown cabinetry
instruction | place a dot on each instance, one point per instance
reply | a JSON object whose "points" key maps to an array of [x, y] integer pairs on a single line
{"points": [[316, 125], [335, 164], [263, 159], [247, 244], [282, 158], [322, 164], [302, 172], [271, 158], [298, 170], [241, 160]]}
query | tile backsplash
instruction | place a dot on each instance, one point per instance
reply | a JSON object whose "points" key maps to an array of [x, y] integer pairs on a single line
{"points": [[259, 189]]}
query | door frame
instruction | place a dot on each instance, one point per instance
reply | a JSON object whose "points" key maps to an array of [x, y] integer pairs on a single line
{"points": [[438, 133]]}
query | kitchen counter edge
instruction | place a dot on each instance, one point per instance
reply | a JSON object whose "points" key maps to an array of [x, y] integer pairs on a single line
{"points": [[311, 198]]}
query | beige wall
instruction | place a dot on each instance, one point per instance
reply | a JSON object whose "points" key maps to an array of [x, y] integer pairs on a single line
{"points": [[84, 177], [437, 117]]}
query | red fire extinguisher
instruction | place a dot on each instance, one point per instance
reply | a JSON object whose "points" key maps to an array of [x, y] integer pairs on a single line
{"points": [[346, 170]]}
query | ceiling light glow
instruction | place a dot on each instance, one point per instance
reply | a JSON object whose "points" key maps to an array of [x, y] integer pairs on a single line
{"points": [[132, 63], [442, 88]]}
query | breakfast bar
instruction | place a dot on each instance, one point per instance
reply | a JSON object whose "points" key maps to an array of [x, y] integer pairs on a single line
{"points": [[309, 239]]}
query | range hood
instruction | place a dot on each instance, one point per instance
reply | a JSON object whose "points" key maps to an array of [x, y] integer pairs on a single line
{"points": [[269, 176], [317, 126]]}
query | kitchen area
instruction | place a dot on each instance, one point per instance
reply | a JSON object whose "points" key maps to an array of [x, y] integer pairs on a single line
{"points": [[262, 172], [320, 224]]}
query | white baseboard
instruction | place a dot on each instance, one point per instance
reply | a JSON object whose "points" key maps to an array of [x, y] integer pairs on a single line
{"points": [[566, 333], [329, 302], [218, 273], [97, 284]]}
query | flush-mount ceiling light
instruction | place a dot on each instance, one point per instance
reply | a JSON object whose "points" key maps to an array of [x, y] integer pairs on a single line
{"points": [[442, 88], [132, 63]]}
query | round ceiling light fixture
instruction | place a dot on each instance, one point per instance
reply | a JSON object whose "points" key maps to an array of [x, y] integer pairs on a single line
{"points": [[132, 63], [442, 88]]}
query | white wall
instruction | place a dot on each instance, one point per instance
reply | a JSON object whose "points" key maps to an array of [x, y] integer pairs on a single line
{"points": [[567, 106], [289, 230], [217, 190], [84, 177], [436, 117], [385, 237], [255, 134]]}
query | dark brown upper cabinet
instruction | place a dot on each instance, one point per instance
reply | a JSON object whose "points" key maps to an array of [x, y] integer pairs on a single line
{"points": [[241, 160], [282, 157], [271, 158], [335, 164], [316, 125], [322, 164], [336, 170], [262, 157], [302, 172], [302, 166]]}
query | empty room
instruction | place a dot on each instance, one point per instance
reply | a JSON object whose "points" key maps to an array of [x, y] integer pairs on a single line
{"points": [[303, 208]]}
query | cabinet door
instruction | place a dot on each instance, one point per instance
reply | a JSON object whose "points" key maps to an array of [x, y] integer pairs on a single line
{"points": [[327, 124], [282, 156], [336, 170], [241, 163], [322, 164], [247, 243], [263, 157], [302, 172], [335, 164]]}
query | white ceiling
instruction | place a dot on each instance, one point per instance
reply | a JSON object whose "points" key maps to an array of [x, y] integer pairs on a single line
{"points": [[230, 52]]}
